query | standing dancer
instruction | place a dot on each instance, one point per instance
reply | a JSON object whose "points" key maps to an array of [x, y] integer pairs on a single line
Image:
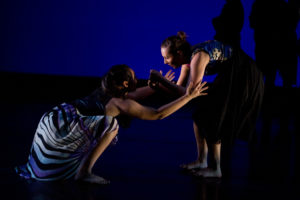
{"points": [[231, 108]]}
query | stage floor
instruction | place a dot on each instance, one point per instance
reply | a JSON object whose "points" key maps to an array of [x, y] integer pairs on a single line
{"points": [[144, 164]]}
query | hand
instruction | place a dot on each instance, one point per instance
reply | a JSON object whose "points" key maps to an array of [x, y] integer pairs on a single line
{"points": [[155, 76], [197, 90], [153, 84], [154, 79], [169, 75]]}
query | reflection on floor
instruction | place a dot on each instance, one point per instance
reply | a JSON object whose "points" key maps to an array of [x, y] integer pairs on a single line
{"points": [[144, 164]]}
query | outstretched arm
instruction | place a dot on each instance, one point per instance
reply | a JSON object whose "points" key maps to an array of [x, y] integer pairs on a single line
{"points": [[196, 72], [157, 81], [141, 93], [144, 92], [129, 107]]}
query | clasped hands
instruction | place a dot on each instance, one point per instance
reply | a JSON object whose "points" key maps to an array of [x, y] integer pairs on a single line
{"points": [[156, 78]]}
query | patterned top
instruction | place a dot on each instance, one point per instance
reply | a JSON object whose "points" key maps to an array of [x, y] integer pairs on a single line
{"points": [[218, 53]]}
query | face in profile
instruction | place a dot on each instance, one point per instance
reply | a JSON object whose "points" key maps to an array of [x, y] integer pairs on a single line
{"points": [[170, 59]]}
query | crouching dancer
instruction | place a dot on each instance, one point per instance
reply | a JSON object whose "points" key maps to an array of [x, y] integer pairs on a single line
{"points": [[72, 136]]}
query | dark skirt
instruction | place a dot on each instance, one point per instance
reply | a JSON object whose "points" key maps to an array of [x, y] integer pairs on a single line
{"points": [[234, 99]]}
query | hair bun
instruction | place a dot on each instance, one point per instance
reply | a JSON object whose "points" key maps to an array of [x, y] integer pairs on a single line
{"points": [[182, 35]]}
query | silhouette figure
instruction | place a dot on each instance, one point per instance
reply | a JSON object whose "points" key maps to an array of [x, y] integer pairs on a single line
{"points": [[295, 7], [274, 23], [229, 23], [275, 37]]}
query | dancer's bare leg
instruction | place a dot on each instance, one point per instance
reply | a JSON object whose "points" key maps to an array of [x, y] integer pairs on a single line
{"points": [[202, 149], [85, 169], [214, 172]]}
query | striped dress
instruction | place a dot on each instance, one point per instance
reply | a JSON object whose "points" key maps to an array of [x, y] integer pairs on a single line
{"points": [[64, 136]]}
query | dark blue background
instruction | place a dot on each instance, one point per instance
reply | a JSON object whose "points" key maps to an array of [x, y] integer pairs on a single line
{"points": [[84, 38]]}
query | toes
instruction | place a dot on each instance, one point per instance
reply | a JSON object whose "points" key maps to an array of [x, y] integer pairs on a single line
{"points": [[91, 178], [100, 180], [183, 166], [197, 174], [104, 182], [188, 166]]}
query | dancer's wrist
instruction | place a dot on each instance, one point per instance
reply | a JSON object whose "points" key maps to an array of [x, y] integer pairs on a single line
{"points": [[153, 84]]}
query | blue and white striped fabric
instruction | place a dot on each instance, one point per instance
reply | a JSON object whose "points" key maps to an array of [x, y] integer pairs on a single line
{"points": [[62, 139]]}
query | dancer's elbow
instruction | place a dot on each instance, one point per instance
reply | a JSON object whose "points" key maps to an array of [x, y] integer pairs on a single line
{"points": [[160, 115], [155, 115]]}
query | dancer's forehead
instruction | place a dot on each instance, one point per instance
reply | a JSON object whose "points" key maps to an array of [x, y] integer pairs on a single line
{"points": [[165, 52]]}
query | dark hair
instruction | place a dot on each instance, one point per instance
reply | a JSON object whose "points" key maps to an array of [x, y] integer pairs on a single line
{"points": [[176, 43], [112, 82]]}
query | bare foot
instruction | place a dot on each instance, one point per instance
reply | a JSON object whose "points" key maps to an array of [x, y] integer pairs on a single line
{"points": [[208, 173], [194, 165], [92, 178]]}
